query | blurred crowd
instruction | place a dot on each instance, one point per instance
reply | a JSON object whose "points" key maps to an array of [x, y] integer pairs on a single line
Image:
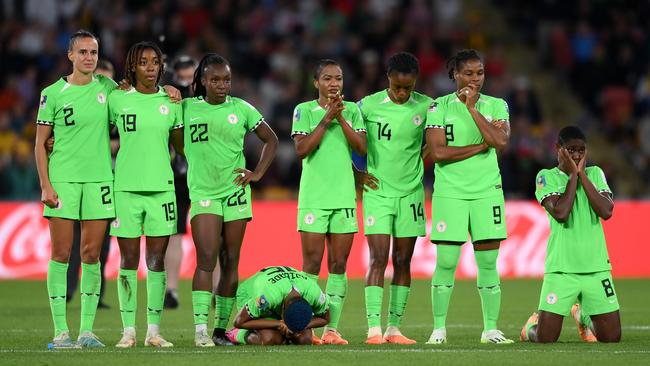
{"points": [[273, 46]]}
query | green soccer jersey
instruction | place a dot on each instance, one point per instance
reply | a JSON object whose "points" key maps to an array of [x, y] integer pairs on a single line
{"points": [[477, 176], [327, 181], [79, 116], [214, 144], [577, 245], [395, 141], [143, 122], [268, 288]]}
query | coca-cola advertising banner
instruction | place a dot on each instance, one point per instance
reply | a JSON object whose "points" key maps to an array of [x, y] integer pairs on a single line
{"points": [[271, 239]]}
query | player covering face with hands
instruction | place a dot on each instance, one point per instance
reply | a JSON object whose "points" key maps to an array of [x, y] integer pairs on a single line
{"points": [[577, 276]]}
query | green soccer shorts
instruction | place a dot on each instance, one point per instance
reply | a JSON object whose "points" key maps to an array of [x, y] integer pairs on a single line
{"points": [[236, 206], [595, 292], [401, 217], [336, 221], [482, 218], [148, 213], [83, 201]]}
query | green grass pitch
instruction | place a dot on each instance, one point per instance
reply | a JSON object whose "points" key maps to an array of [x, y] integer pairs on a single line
{"points": [[26, 328]]}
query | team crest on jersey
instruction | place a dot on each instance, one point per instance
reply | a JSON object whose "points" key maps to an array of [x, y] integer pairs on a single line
{"points": [[296, 115], [417, 120], [551, 298], [232, 119], [441, 226], [43, 102], [541, 182], [370, 220], [205, 203], [262, 303], [322, 298], [116, 223], [101, 98], [164, 109], [309, 219]]}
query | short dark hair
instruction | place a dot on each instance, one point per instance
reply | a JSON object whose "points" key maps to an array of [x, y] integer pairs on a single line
{"points": [[183, 61], [403, 62], [462, 56], [81, 33], [570, 133], [323, 63], [105, 64], [297, 314], [133, 57], [207, 60]]}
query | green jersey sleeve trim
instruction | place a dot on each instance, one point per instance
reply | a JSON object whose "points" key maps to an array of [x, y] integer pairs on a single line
{"points": [[261, 120], [45, 123]]}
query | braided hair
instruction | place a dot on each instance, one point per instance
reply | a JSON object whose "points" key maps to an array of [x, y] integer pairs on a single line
{"points": [[207, 60], [403, 62], [323, 63], [133, 57], [454, 63]]}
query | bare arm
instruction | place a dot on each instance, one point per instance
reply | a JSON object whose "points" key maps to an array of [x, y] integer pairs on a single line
{"points": [[357, 140], [601, 202], [270, 140], [176, 137], [48, 196], [495, 135], [319, 320], [440, 152], [244, 321]]}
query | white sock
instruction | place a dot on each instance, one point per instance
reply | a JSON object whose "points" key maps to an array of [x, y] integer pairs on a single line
{"points": [[392, 330], [153, 329], [201, 328], [374, 331], [327, 329], [129, 330]]}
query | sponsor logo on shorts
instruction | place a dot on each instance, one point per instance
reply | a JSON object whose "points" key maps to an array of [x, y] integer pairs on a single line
{"points": [[101, 98], [612, 301], [205, 203], [441, 226], [417, 120], [243, 209], [551, 298], [232, 119], [109, 208], [309, 219], [164, 109], [370, 221], [115, 223]]}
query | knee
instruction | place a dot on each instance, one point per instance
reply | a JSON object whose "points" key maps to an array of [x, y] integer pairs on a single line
{"points": [[337, 266], [446, 263], [378, 262], [610, 337], [206, 260], [271, 338], [89, 255], [401, 261], [129, 260], [230, 260], [304, 339], [61, 255], [156, 262]]}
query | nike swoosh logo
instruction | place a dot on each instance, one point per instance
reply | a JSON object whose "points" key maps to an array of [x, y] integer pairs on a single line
{"points": [[109, 208], [194, 118], [67, 105], [170, 225], [612, 301], [126, 109], [242, 209], [450, 119]]}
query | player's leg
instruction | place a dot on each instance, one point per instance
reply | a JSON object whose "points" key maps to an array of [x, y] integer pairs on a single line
{"points": [[61, 223], [263, 337], [92, 239], [233, 235], [544, 327], [127, 227], [237, 212], [159, 225], [379, 214], [487, 229], [450, 219], [74, 262], [103, 259], [303, 338], [599, 307], [174, 255]]}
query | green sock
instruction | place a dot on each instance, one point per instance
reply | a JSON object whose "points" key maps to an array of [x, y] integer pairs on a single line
{"points": [[489, 289], [374, 298], [312, 276], [127, 293], [241, 336], [399, 295], [91, 282], [201, 306], [156, 286], [442, 283], [336, 289], [57, 285], [222, 310]]}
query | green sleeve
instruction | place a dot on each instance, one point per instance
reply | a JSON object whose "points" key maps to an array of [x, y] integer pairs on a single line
{"points": [[253, 117], [46, 109], [300, 121], [597, 177], [436, 114], [500, 110], [112, 116], [357, 120], [363, 108], [108, 83], [177, 118], [545, 185], [317, 299]]}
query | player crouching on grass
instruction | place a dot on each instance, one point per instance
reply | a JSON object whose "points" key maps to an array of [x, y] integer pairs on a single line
{"points": [[278, 305], [575, 197]]}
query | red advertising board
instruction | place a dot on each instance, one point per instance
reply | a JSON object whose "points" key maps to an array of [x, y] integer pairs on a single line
{"points": [[272, 239]]}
